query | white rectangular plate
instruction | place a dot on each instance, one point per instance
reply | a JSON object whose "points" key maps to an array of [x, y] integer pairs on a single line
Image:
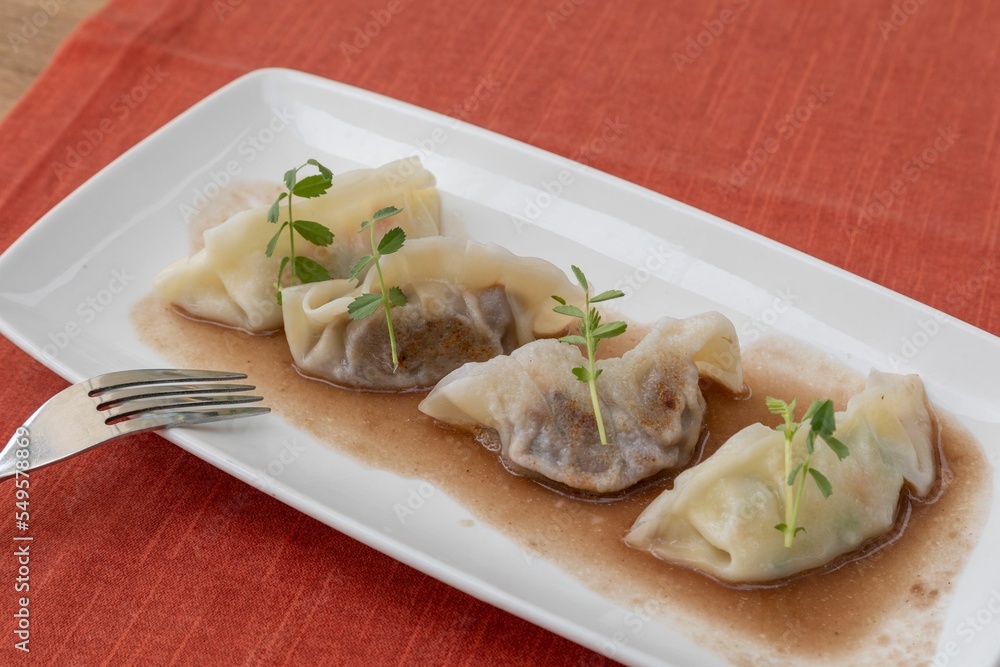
{"points": [[68, 285]]}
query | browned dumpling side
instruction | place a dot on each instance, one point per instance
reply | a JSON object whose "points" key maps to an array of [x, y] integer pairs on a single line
{"points": [[650, 399], [465, 302]]}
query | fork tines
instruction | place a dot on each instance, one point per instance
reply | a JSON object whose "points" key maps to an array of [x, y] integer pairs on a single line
{"points": [[170, 397], [107, 407]]}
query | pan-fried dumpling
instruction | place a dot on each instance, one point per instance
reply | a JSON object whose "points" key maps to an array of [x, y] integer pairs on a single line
{"points": [[231, 280], [466, 301], [650, 400], [720, 516]]}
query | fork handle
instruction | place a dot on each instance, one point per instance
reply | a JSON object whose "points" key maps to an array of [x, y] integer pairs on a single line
{"points": [[29, 447]]}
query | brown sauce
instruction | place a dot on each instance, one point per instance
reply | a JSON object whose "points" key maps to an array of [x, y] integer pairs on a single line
{"points": [[886, 607]]}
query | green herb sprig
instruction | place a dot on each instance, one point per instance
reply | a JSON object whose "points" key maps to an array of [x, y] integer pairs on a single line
{"points": [[304, 269], [821, 424], [592, 332], [366, 304]]}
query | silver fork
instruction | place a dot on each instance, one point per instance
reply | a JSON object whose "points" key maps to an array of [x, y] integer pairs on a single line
{"points": [[109, 406]]}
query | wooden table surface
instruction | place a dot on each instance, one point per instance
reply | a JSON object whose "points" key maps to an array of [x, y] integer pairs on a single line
{"points": [[31, 31]]}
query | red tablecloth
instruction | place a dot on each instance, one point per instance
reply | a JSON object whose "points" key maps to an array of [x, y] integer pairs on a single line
{"points": [[862, 132]]}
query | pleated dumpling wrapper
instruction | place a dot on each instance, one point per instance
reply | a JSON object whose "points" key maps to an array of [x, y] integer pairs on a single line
{"points": [[231, 280], [720, 516], [650, 399], [465, 301]]}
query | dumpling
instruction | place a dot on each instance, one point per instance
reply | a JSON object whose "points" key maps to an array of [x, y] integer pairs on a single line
{"points": [[231, 280], [719, 518], [235, 198], [650, 400], [466, 301]]}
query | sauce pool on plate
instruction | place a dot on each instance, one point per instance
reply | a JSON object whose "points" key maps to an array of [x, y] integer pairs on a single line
{"points": [[886, 604]]}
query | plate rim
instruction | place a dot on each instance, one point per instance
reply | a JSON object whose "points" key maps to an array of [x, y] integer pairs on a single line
{"points": [[258, 80]]}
